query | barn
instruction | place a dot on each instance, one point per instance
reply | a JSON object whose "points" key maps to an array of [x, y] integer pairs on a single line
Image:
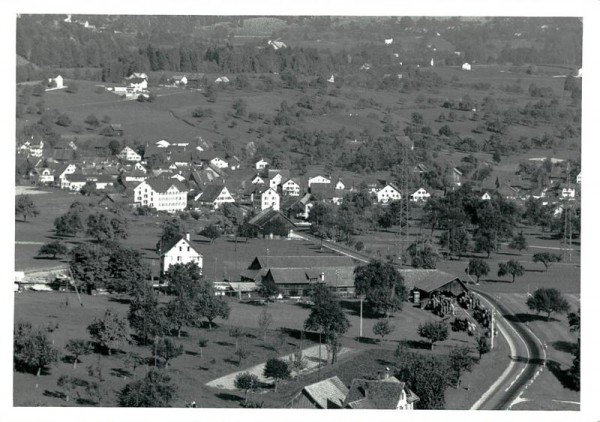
{"points": [[428, 282]]}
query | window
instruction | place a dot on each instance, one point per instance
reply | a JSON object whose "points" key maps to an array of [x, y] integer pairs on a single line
{"points": [[180, 249], [179, 258], [188, 248]]}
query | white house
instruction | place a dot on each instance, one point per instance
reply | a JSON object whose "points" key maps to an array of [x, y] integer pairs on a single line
{"points": [[579, 178], [275, 181], [129, 154], [486, 197], [44, 175], [277, 44], [135, 75], [214, 196], [222, 79], [257, 180], [179, 80], [389, 41], [179, 251], [261, 164], [290, 188], [56, 82], [162, 194], [269, 198], [61, 173], [387, 194], [318, 179], [466, 66], [219, 163], [421, 195], [138, 84], [162, 144], [73, 181], [339, 185], [568, 193]]}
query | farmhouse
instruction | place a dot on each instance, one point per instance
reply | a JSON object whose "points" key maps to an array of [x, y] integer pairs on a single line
{"points": [[179, 251], [421, 195], [161, 194], [56, 82], [214, 196], [294, 275], [327, 394], [579, 178], [138, 84], [427, 282], [129, 154], [179, 80], [466, 66], [385, 393], [44, 176], [269, 216], [318, 179], [261, 164], [290, 187], [387, 194], [266, 197]]}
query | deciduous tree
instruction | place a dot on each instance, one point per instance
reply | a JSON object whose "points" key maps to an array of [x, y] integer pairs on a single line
{"points": [[478, 268], [433, 331], [109, 332], [264, 321], [53, 248], [383, 328], [210, 306], [246, 382], [77, 348], [512, 268], [546, 258], [277, 369], [26, 207], [460, 360], [548, 300], [32, 349], [155, 390], [483, 346], [165, 349], [382, 285]]}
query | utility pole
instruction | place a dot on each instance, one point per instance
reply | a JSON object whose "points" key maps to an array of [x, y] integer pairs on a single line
{"points": [[492, 329]]}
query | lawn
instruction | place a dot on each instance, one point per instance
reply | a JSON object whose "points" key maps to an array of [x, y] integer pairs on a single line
{"points": [[191, 371]]}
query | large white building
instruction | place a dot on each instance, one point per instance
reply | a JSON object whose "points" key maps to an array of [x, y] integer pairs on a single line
{"points": [[267, 198], [290, 187], [318, 179], [129, 154], [179, 251], [421, 195], [162, 194], [387, 194]]}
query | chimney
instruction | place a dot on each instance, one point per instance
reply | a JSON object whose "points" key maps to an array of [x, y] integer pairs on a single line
{"points": [[386, 374], [187, 236]]}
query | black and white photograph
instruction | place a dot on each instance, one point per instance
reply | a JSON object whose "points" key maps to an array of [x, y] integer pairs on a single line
{"points": [[255, 210]]}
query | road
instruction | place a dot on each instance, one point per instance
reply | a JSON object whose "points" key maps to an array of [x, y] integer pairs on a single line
{"points": [[527, 357]]}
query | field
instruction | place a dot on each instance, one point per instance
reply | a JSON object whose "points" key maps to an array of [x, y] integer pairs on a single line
{"points": [[191, 371]]}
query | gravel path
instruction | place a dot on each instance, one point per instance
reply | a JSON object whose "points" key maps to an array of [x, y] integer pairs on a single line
{"points": [[311, 355]]}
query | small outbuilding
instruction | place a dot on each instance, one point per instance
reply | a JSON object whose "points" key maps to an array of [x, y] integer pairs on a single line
{"points": [[428, 282], [466, 66]]}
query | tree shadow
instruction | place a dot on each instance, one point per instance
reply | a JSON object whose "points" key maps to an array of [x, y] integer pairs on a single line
{"points": [[522, 317], [366, 340], [523, 359], [232, 361], [565, 346], [535, 271], [224, 343], [491, 280], [121, 373], [384, 362], [416, 344], [228, 397], [86, 402], [189, 352], [55, 394], [561, 375], [122, 300], [509, 253]]}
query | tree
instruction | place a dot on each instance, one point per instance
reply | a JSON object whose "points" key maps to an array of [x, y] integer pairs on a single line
{"points": [[104, 226], [71, 223], [478, 268], [53, 248], [68, 384], [110, 331], [165, 349], [32, 349], [155, 390], [202, 343], [548, 300], [264, 320], [575, 320], [246, 382], [298, 362], [145, 316], [460, 360], [89, 189], [485, 241], [546, 258], [456, 239], [211, 231], [25, 206], [63, 120], [77, 348], [382, 286], [236, 333], [383, 328], [241, 353], [88, 264], [277, 369], [114, 147], [240, 107], [171, 229], [483, 346], [92, 121], [127, 270], [423, 255], [210, 306], [512, 267], [72, 88], [267, 288], [134, 360], [327, 317], [518, 242], [434, 331]]}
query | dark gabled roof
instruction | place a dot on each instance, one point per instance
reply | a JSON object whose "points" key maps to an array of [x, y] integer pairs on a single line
{"points": [[322, 261], [329, 391], [426, 280], [163, 185], [342, 276], [326, 190], [135, 80], [166, 247], [285, 174], [210, 192], [76, 177], [374, 394], [195, 77], [263, 217]]}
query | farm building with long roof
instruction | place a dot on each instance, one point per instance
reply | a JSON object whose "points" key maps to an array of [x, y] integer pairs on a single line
{"points": [[428, 282]]}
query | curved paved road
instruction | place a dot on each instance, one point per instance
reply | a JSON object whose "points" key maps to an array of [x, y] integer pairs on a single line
{"points": [[527, 359]]}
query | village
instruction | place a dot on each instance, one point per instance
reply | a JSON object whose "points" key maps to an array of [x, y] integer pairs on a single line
{"points": [[233, 269]]}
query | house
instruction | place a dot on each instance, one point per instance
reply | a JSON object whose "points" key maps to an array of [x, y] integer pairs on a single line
{"points": [[162, 144], [136, 75], [327, 192], [327, 394], [214, 196], [295, 275], [235, 163], [420, 169], [115, 129], [276, 44], [56, 82], [62, 171], [421, 195], [257, 180], [129, 154], [261, 164], [318, 179], [268, 216], [73, 181], [178, 80], [138, 84], [568, 193], [162, 194], [114, 201], [179, 251], [466, 66], [44, 175], [275, 180], [366, 66], [222, 79], [456, 176], [300, 208], [388, 41], [428, 282], [388, 193], [579, 178], [219, 163], [195, 80], [339, 185], [405, 141], [266, 197], [486, 196], [331, 79], [290, 188], [385, 393]]}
